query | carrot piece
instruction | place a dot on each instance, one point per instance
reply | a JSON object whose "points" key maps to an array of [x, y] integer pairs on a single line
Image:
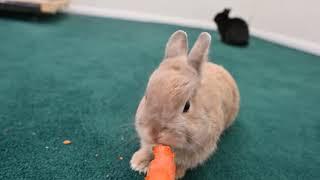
{"points": [[162, 167]]}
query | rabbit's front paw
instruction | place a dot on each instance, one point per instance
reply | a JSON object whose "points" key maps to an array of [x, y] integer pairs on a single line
{"points": [[140, 160], [180, 171]]}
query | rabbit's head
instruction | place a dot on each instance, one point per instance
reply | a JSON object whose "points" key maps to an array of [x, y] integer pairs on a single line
{"points": [[167, 114], [222, 16]]}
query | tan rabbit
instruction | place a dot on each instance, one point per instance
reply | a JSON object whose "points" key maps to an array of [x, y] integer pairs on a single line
{"points": [[187, 104]]}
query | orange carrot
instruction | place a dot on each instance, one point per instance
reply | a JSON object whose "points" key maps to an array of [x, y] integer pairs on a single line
{"points": [[162, 167]]}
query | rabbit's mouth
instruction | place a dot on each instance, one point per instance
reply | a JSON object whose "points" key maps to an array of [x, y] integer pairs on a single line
{"points": [[173, 142]]}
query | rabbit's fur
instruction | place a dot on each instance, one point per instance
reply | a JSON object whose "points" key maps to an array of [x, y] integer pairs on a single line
{"points": [[233, 31], [162, 118]]}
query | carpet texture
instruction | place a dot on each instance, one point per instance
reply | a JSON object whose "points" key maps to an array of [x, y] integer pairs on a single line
{"points": [[81, 78]]}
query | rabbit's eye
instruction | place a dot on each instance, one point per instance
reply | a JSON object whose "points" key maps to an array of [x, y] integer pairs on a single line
{"points": [[186, 107]]}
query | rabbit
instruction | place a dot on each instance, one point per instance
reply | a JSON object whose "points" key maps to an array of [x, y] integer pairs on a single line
{"points": [[233, 31], [187, 104]]}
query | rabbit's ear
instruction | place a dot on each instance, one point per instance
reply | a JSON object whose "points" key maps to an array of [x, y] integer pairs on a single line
{"points": [[177, 44], [200, 50], [227, 11]]}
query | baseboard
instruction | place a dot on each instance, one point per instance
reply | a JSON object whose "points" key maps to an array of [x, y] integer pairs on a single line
{"points": [[138, 16], [291, 42], [303, 45]]}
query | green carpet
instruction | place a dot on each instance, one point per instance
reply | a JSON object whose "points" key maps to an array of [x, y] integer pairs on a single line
{"points": [[81, 78]]}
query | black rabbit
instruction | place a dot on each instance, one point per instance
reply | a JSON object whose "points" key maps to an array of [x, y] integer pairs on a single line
{"points": [[233, 31]]}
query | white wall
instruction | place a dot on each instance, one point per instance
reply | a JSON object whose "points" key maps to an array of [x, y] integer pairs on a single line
{"points": [[176, 8], [300, 19], [294, 23]]}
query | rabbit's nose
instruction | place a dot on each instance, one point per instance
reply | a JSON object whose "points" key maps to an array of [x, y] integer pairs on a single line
{"points": [[154, 134]]}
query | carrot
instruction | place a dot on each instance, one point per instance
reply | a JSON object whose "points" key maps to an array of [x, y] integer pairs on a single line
{"points": [[162, 167]]}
